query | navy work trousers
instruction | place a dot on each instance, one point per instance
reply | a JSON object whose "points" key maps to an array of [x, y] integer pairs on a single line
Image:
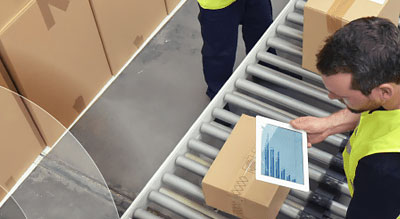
{"points": [[219, 29]]}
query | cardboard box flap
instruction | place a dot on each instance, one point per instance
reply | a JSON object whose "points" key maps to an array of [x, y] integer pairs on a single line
{"points": [[346, 8], [322, 6], [362, 8], [391, 11], [340, 12]]}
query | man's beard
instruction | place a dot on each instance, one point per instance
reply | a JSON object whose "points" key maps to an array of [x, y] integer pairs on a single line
{"points": [[369, 107], [354, 110]]}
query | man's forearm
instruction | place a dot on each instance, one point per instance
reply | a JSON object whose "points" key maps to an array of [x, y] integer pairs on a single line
{"points": [[342, 121]]}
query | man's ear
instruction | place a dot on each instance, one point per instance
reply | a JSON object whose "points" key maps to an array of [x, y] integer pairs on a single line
{"points": [[385, 91]]}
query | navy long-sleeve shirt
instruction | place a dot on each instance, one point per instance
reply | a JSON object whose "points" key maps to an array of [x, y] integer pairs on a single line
{"points": [[376, 188]]}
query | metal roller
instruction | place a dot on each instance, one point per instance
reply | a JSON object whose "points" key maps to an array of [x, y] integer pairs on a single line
{"points": [[290, 210], [225, 115], [269, 111], [276, 97], [290, 32], [191, 204], [295, 18], [284, 46], [321, 175], [143, 214], [191, 166], [288, 65], [174, 206], [292, 83], [203, 148], [183, 185], [321, 200], [300, 5], [214, 131]]}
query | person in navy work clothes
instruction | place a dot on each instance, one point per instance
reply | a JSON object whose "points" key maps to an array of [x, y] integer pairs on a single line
{"points": [[219, 21]]}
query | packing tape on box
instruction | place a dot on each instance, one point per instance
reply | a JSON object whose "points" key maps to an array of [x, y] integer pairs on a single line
{"points": [[3, 192], [44, 6], [335, 14], [79, 104], [241, 183], [10, 182]]}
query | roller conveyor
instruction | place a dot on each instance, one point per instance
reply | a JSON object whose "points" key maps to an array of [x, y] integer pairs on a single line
{"points": [[261, 85]]}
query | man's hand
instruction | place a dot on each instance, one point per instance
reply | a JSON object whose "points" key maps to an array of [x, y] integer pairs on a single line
{"points": [[316, 128], [320, 128]]}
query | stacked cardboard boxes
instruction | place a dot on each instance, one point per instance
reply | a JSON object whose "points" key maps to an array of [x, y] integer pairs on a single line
{"points": [[59, 55], [21, 142], [323, 17], [55, 57]]}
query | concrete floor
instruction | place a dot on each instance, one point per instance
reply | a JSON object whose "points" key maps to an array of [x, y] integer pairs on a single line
{"points": [[128, 132], [66, 184]]}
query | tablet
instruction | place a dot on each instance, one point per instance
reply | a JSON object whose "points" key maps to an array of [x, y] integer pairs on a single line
{"points": [[281, 154]]}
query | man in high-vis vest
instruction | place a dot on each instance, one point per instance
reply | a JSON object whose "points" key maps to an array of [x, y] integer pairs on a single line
{"points": [[219, 21], [360, 66]]}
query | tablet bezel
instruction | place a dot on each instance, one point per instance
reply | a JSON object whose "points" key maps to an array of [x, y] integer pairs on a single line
{"points": [[262, 121]]}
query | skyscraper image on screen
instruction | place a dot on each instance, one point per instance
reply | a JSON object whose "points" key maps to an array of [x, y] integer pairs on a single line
{"points": [[281, 154]]}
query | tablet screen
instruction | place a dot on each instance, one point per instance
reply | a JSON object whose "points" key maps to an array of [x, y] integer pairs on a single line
{"points": [[281, 154]]}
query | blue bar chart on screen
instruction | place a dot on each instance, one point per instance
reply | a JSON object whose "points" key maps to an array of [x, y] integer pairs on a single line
{"points": [[284, 142], [281, 154]]}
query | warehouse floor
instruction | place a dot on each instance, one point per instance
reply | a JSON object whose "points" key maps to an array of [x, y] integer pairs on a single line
{"points": [[140, 118]]}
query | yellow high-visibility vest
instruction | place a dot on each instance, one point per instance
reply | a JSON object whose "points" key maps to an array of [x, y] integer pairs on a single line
{"points": [[215, 4], [377, 132]]}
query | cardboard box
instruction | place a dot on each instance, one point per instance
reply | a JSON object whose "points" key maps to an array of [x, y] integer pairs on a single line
{"points": [[9, 9], [124, 25], [171, 4], [21, 142], [323, 17], [5, 80], [48, 125], [231, 186], [54, 54]]}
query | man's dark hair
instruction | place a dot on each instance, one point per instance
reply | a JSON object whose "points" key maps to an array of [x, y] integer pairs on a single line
{"points": [[368, 48]]}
